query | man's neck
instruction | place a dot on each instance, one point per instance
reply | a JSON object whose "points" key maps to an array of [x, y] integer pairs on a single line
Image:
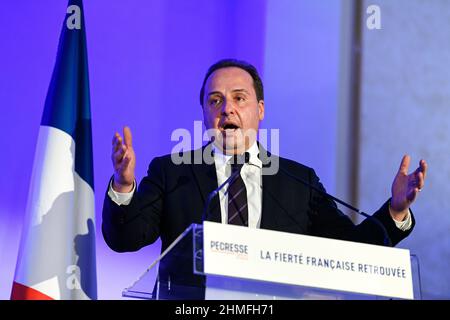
{"points": [[232, 152]]}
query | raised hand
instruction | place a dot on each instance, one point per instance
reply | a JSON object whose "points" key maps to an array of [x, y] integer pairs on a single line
{"points": [[124, 161], [406, 187]]}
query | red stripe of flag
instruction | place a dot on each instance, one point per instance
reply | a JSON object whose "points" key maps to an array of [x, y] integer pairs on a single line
{"points": [[21, 292]]}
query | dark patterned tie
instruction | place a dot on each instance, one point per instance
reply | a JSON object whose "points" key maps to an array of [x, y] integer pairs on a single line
{"points": [[237, 199]]}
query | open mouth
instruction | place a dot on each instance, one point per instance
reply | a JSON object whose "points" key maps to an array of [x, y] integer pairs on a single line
{"points": [[230, 127]]}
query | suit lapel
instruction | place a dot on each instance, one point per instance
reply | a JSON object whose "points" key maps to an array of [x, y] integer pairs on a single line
{"points": [[206, 179], [271, 193]]}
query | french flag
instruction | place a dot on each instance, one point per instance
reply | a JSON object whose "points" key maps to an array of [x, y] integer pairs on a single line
{"points": [[56, 258]]}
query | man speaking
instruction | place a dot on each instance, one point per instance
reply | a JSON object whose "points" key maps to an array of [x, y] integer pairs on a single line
{"points": [[172, 196]]}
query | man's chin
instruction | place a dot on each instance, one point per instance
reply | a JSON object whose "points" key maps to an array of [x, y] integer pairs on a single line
{"points": [[230, 146]]}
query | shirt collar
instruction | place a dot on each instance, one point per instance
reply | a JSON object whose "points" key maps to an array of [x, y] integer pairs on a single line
{"points": [[221, 159]]}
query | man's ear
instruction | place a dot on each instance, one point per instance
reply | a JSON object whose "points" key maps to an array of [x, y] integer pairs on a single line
{"points": [[261, 109]]}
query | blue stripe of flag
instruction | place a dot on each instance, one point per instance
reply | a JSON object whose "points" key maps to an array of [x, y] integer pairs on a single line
{"points": [[67, 106]]}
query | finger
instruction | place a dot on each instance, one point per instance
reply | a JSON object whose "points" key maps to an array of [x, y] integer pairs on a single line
{"points": [[423, 167], [420, 180], [119, 154], [117, 142], [127, 136], [404, 165], [114, 139], [126, 160], [413, 194]]}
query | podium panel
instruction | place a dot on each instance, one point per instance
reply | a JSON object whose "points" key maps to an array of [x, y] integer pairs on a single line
{"points": [[179, 274]]}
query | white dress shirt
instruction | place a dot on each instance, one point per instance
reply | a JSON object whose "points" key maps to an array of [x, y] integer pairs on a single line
{"points": [[251, 173]]}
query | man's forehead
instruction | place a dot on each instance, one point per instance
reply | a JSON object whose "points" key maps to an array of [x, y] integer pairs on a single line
{"points": [[230, 77]]}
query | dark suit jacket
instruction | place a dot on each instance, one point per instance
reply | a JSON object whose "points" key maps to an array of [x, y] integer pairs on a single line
{"points": [[171, 197]]}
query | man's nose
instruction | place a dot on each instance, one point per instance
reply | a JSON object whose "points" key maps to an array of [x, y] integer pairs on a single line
{"points": [[227, 106]]}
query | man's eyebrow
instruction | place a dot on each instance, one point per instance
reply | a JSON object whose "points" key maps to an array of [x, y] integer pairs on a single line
{"points": [[240, 90], [214, 92], [234, 91]]}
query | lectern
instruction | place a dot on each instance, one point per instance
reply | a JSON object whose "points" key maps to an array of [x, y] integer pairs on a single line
{"points": [[222, 262]]}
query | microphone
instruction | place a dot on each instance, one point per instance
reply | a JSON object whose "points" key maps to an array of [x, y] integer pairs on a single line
{"points": [[241, 159], [387, 240]]}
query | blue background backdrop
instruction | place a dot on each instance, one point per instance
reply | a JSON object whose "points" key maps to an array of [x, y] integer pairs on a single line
{"points": [[147, 60]]}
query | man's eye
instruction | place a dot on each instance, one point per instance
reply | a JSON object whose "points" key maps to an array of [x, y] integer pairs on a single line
{"points": [[240, 99], [215, 102]]}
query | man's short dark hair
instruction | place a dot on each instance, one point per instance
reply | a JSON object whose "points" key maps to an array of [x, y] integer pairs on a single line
{"points": [[225, 63]]}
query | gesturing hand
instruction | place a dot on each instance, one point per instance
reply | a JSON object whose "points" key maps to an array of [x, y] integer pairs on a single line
{"points": [[124, 161], [406, 187]]}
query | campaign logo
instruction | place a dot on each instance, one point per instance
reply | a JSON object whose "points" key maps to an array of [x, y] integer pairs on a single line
{"points": [[239, 251]]}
